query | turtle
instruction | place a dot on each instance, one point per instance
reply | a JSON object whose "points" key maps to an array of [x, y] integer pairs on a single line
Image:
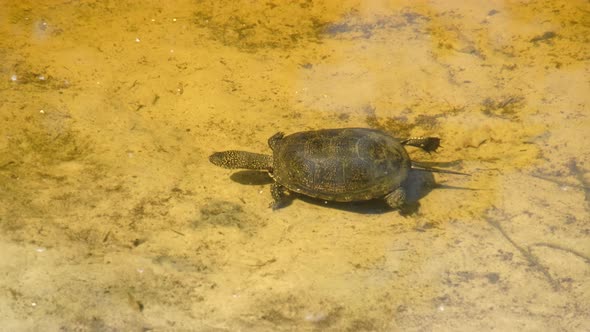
{"points": [[342, 165]]}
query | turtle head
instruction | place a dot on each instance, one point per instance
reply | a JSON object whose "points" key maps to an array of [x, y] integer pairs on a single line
{"points": [[234, 159]]}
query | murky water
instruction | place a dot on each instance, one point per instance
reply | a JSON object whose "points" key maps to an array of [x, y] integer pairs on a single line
{"points": [[112, 218]]}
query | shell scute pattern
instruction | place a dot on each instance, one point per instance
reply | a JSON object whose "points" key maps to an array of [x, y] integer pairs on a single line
{"points": [[340, 165]]}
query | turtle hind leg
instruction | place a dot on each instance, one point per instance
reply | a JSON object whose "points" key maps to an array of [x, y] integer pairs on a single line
{"points": [[280, 196], [428, 144], [396, 199], [241, 159]]}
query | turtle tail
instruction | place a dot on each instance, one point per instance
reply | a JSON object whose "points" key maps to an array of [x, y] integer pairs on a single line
{"points": [[241, 159], [426, 168]]}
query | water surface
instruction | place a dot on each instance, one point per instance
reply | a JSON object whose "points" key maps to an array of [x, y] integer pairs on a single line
{"points": [[112, 218]]}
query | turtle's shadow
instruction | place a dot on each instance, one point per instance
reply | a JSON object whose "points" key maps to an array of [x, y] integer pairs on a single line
{"points": [[417, 185], [251, 178]]}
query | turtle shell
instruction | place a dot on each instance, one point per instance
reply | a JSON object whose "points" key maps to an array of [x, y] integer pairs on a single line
{"points": [[344, 165]]}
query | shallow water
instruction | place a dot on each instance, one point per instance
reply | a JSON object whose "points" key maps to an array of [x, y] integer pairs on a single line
{"points": [[112, 218]]}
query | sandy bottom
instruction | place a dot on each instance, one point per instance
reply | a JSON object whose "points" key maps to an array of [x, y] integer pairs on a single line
{"points": [[112, 218]]}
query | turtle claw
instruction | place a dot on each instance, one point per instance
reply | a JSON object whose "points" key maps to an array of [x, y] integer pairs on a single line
{"points": [[275, 205], [396, 199], [428, 144], [279, 196]]}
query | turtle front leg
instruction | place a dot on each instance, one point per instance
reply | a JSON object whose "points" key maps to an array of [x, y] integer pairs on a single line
{"points": [[396, 199], [275, 139], [279, 196]]}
